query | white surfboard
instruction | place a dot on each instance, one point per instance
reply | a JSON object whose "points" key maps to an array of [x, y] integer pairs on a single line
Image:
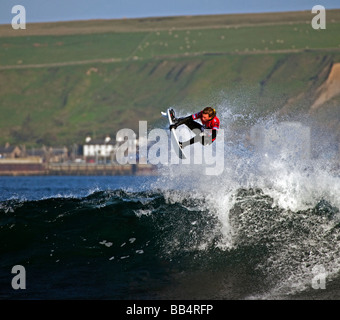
{"points": [[174, 139]]}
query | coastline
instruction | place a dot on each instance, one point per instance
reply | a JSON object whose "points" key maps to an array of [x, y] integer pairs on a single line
{"points": [[19, 168]]}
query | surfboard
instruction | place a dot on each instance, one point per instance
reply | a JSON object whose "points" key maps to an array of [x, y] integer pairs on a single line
{"points": [[170, 114]]}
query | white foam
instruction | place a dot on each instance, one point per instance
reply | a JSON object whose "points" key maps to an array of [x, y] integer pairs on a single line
{"points": [[294, 183]]}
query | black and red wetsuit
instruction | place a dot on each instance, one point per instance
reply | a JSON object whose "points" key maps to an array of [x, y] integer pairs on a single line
{"points": [[208, 136], [213, 124]]}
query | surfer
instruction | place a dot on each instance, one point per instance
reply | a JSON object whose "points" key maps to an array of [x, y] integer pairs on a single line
{"points": [[206, 132]]}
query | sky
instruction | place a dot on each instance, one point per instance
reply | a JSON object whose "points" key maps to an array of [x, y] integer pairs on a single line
{"points": [[63, 10]]}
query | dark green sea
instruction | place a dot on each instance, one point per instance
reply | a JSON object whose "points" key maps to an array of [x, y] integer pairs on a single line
{"points": [[125, 238]]}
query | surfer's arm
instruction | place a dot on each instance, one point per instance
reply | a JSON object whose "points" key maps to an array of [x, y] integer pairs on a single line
{"points": [[212, 133], [197, 115]]}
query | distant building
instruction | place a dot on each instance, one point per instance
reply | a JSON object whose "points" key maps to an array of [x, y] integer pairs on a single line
{"points": [[285, 139], [10, 152], [36, 152], [98, 148], [47, 154], [57, 154]]}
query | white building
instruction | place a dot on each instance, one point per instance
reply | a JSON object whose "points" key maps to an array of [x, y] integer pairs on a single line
{"points": [[98, 147], [284, 139]]}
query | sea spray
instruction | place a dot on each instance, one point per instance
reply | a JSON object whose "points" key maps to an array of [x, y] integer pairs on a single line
{"points": [[291, 185], [259, 229]]}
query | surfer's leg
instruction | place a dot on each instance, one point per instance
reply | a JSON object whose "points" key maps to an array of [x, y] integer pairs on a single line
{"points": [[189, 122], [196, 138], [189, 142], [195, 127], [204, 139], [192, 125]]}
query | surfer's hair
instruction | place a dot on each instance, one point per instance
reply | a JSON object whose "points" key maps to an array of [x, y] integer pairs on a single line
{"points": [[210, 111]]}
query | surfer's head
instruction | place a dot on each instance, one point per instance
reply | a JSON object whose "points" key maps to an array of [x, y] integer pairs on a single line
{"points": [[208, 113]]}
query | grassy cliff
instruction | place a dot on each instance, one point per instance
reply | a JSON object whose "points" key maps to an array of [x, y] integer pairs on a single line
{"points": [[62, 81]]}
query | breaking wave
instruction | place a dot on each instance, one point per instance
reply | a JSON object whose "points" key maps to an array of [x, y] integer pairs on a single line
{"points": [[262, 228]]}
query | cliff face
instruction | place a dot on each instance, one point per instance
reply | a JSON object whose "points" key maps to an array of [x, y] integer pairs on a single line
{"points": [[329, 89]]}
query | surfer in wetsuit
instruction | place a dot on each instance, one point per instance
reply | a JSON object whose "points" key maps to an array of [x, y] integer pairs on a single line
{"points": [[206, 132]]}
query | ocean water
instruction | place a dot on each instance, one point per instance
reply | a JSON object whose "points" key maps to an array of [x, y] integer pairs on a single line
{"points": [[122, 238], [266, 227]]}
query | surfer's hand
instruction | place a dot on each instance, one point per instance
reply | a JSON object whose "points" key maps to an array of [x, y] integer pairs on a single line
{"points": [[172, 126]]}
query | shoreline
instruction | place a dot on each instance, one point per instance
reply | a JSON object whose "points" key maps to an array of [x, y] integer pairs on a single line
{"points": [[75, 169]]}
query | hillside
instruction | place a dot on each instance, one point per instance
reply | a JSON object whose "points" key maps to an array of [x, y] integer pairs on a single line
{"points": [[62, 81]]}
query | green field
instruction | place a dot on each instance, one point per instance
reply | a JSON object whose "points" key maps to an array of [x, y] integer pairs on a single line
{"points": [[156, 44], [62, 81]]}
